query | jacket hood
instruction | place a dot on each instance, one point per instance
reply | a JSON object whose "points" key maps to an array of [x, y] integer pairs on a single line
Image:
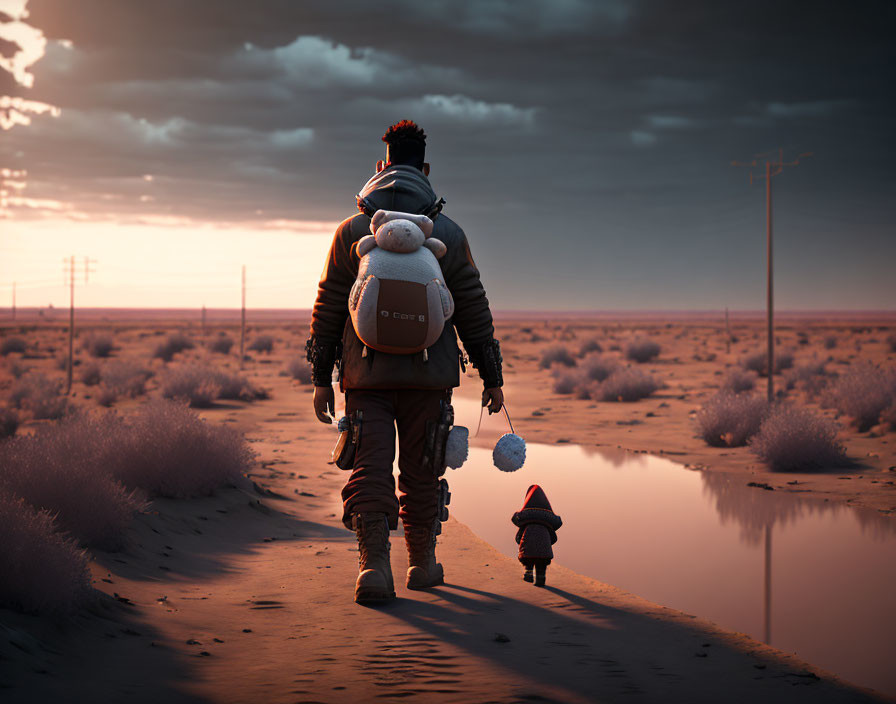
{"points": [[402, 188], [536, 498]]}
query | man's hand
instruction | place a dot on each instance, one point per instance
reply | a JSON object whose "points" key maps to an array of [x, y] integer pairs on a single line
{"points": [[324, 400], [493, 398]]}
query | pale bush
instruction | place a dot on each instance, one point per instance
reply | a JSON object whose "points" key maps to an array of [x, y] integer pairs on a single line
{"points": [[90, 374], [176, 342], [794, 439], [557, 354], [168, 450], [40, 396], [588, 346], [729, 420], [758, 361], [262, 343], [125, 378], [626, 384], [299, 368], [196, 384], [863, 392], [63, 469], [221, 344], [597, 368], [642, 350], [99, 345], [738, 381]]}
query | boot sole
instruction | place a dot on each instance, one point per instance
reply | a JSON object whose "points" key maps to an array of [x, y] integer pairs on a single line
{"points": [[373, 597]]}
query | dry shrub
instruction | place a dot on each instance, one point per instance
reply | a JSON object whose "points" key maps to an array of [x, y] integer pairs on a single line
{"points": [[168, 450], [235, 387], [299, 368], [40, 396], [9, 422], [891, 341], [174, 343], [758, 362], [557, 354], [642, 350], [810, 377], [737, 381], [794, 439], [12, 344], [863, 393], [194, 383], [125, 378], [99, 345], [87, 470], [830, 342], [43, 570], [625, 384], [588, 346], [221, 344], [566, 381], [729, 419], [597, 368], [63, 469], [91, 374], [262, 343], [106, 396]]}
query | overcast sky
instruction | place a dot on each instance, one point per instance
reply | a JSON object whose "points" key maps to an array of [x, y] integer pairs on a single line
{"points": [[584, 147]]}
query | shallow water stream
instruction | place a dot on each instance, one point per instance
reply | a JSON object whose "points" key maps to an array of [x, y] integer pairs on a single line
{"points": [[806, 576]]}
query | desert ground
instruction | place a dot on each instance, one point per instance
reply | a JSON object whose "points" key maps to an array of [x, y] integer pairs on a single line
{"points": [[246, 595]]}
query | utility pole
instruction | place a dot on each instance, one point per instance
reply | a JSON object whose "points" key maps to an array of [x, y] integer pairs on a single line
{"points": [[71, 325], [773, 167], [243, 321], [727, 333], [70, 275]]}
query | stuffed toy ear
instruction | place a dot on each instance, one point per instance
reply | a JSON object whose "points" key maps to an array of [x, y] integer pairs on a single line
{"points": [[366, 243], [510, 453], [437, 247], [457, 447]]}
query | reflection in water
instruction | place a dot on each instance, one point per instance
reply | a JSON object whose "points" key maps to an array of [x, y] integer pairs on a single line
{"points": [[707, 544]]}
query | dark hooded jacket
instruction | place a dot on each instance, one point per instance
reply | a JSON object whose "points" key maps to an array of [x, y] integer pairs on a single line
{"points": [[538, 526], [406, 189]]}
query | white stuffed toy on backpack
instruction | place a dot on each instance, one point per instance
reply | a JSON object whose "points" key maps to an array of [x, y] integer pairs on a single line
{"points": [[399, 302]]}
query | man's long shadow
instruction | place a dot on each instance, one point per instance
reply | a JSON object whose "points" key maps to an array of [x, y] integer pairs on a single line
{"points": [[544, 640]]}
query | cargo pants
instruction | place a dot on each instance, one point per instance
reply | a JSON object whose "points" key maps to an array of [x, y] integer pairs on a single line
{"points": [[371, 486]]}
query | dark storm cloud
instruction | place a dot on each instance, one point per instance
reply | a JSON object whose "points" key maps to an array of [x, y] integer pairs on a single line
{"points": [[621, 115]]}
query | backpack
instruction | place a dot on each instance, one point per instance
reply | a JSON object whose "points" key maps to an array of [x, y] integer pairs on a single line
{"points": [[399, 302]]}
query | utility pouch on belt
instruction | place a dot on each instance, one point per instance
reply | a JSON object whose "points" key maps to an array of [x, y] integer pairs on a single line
{"points": [[349, 436], [436, 439]]}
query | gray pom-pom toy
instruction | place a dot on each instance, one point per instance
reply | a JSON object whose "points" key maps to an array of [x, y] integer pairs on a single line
{"points": [[510, 452], [457, 447]]}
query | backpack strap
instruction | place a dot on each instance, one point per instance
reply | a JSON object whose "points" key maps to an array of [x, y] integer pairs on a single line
{"points": [[368, 208]]}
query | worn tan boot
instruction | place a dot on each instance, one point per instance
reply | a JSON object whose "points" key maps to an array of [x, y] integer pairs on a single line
{"points": [[374, 583], [423, 570]]}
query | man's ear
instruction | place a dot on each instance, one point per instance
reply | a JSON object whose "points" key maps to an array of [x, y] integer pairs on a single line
{"points": [[380, 165], [426, 168]]}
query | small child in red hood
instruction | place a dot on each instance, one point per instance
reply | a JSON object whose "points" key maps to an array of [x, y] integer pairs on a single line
{"points": [[538, 526]]}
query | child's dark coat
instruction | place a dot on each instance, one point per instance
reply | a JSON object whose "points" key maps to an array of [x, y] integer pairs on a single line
{"points": [[538, 526]]}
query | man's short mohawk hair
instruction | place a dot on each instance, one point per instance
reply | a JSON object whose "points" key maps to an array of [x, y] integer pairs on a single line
{"points": [[405, 144], [404, 130]]}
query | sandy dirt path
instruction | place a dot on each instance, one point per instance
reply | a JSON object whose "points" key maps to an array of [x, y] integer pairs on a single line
{"points": [[246, 596]]}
